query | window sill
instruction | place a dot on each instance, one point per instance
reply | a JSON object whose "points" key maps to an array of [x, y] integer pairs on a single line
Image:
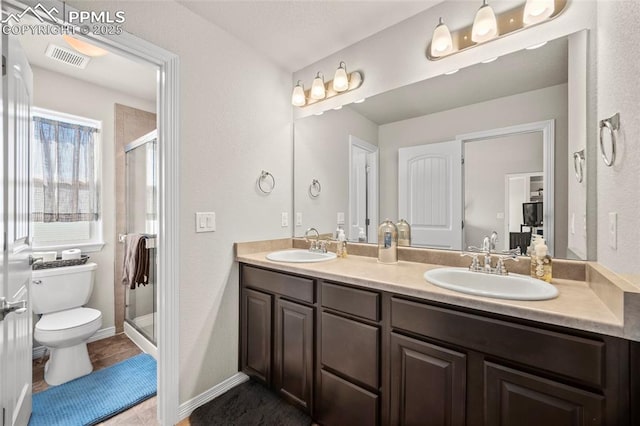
{"points": [[90, 247]]}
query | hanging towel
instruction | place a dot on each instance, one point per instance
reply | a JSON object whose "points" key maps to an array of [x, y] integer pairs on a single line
{"points": [[135, 268]]}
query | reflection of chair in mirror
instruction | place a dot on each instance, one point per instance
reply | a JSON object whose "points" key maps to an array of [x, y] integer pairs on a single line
{"points": [[519, 240]]}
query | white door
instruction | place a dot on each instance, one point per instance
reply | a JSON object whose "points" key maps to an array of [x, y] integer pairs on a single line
{"points": [[16, 342], [430, 193], [363, 189]]}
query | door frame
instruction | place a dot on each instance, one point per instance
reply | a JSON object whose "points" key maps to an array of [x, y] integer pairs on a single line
{"points": [[168, 101], [372, 187], [547, 128]]}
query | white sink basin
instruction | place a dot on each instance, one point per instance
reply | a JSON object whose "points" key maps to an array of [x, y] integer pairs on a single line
{"points": [[512, 286], [300, 256]]}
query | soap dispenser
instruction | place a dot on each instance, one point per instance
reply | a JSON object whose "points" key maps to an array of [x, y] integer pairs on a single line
{"points": [[341, 250], [541, 262], [404, 233], [387, 242]]}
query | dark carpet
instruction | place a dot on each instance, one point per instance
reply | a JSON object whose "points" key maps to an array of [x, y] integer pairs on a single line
{"points": [[249, 404]]}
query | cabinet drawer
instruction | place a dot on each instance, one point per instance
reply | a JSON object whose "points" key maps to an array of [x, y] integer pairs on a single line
{"points": [[517, 398], [572, 356], [351, 348], [275, 282], [343, 403], [362, 303]]}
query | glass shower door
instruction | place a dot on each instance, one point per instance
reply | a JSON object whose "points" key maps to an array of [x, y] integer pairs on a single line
{"points": [[142, 218]]}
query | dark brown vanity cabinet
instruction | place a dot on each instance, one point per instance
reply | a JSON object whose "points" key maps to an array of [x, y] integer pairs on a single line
{"points": [[457, 367], [350, 355], [348, 380], [277, 332]]}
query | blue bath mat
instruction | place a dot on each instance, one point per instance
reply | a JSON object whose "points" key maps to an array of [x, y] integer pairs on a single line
{"points": [[96, 397]]}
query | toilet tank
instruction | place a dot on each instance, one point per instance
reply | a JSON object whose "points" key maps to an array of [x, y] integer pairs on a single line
{"points": [[57, 289]]}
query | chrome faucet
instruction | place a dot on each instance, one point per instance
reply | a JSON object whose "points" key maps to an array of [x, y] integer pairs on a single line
{"points": [[315, 245], [488, 248]]}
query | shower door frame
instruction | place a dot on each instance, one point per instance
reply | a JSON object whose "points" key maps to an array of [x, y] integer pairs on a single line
{"points": [[168, 101]]}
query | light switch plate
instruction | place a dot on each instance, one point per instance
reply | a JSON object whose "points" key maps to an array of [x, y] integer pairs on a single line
{"points": [[340, 218], [284, 219], [205, 221], [299, 219]]}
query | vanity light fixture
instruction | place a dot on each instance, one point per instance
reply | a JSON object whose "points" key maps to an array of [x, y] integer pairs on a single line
{"points": [[488, 26], [441, 43], [84, 47], [343, 82], [340, 79], [317, 88], [297, 97], [485, 25], [536, 11]]}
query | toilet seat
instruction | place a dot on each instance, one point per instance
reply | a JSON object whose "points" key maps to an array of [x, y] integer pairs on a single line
{"points": [[70, 323]]}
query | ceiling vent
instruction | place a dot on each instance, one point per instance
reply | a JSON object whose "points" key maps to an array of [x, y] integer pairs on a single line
{"points": [[67, 56]]}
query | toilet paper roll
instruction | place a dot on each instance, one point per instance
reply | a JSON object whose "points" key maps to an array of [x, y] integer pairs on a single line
{"points": [[71, 254], [46, 256]]}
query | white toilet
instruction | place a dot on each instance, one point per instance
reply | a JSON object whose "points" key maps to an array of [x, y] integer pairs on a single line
{"points": [[65, 326]]}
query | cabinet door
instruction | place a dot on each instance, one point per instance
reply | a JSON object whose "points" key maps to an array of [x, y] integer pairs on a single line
{"points": [[294, 352], [256, 335], [521, 399], [428, 383]]}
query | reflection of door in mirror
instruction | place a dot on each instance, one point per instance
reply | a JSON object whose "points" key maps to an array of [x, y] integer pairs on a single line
{"points": [[486, 162], [430, 193], [363, 190], [520, 188]]}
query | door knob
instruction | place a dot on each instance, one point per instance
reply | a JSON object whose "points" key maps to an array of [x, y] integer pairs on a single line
{"points": [[19, 307]]}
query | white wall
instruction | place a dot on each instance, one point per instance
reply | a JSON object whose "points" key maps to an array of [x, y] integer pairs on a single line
{"points": [[537, 105], [235, 119], [619, 91], [64, 94], [322, 152]]}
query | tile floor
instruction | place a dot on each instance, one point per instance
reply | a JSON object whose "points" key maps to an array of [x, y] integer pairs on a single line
{"points": [[104, 353]]}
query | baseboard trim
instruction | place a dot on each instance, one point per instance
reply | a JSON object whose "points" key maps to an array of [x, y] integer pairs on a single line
{"points": [[39, 351], [186, 408]]}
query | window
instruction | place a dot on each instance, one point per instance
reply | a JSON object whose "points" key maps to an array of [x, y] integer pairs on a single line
{"points": [[65, 208]]}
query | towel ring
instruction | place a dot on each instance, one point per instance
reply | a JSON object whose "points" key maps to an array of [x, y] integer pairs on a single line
{"points": [[315, 189], [578, 165], [612, 124], [264, 176]]}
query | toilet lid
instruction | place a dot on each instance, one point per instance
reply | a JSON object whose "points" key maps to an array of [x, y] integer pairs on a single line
{"points": [[68, 319]]}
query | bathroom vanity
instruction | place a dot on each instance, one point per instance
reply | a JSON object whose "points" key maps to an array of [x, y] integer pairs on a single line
{"points": [[353, 342]]}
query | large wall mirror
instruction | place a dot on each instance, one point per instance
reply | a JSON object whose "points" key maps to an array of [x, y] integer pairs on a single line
{"points": [[458, 156]]}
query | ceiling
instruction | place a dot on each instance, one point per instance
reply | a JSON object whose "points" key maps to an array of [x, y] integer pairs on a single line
{"points": [[112, 71], [518, 72], [297, 33], [292, 33]]}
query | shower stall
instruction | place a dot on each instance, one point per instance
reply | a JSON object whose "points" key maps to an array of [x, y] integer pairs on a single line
{"points": [[141, 181]]}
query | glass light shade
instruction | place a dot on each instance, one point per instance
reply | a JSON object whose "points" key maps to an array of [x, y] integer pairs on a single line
{"points": [[317, 88], [84, 47], [441, 43], [297, 98], [537, 11], [340, 79], [485, 26]]}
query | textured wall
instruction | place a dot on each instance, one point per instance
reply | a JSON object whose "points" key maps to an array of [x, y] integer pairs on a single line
{"points": [[619, 91]]}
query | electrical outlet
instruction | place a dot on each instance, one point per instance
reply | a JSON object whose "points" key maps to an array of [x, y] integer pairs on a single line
{"points": [[340, 218], [299, 219], [613, 230], [284, 219]]}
